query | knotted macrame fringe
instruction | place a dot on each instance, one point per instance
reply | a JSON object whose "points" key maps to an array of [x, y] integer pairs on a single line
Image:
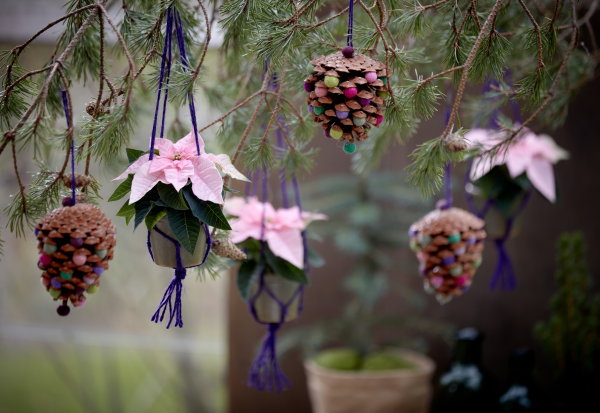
{"points": [[265, 373], [504, 274]]}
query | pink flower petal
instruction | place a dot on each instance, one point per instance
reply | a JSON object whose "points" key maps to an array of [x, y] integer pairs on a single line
{"points": [[541, 175], [176, 177], [187, 145], [207, 183], [143, 181], [158, 163], [287, 245], [165, 147], [242, 230], [133, 167], [223, 162]]}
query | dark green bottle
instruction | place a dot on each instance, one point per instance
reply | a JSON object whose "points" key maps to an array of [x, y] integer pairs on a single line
{"points": [[518, 398], [465, 387]]}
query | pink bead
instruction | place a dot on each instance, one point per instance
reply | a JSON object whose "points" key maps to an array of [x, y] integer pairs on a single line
{"points": [[422, 256], [350, 92], [371, 77], [45, 259], [436, 282], [45, 282], [321, 92], [379, 119], [79, 259], [79, 302], [460, 281]]}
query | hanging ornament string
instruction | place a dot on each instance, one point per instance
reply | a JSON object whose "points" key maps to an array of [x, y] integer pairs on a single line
{"points": [[173, 21], [265, 372], [447, 201], [66, 106], [350, 23]]}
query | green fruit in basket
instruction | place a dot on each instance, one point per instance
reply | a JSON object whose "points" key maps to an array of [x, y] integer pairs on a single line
{"points": [[338, 359], [382, 362]]}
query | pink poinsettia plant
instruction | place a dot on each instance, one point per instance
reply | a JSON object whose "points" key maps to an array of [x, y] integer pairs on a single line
{"points": [[530, 154], [280, 228], [178, 183]]}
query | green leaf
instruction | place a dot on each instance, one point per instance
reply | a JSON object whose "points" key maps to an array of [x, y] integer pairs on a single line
{"points": [[127, 211], [233, 191], [247, 275], [171, 197], [185, 227], [123, 189], [142, 207], [133, 154], [206, 211], [285, 269], [156, 214]]}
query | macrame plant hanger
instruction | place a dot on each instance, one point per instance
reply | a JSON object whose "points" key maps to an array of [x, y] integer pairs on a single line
{"points": [[504, 275], [265, 372], [168, 302]]}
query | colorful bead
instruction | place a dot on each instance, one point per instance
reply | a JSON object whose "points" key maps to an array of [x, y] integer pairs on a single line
{"points": [[350, 92], [471, 241], [331, 81], [79, 259], [311, 109], [36, 232], [383, 94], [79, 302], [460, 251], [336, 134], [98, 270], [454, 238], [436, 282], [76, 242], [45, 259], [384, 79], [371, 77], [359, 121], [349, 147], [54, 293], [63, 310], [89, 280], [92, 289], [55, 283], [341, 114], [308, 86], [319, 110], [424, 239], [477, 262], [101, 253], [348, 52], [321, 92], [456, 271], [364, 102], [65, 275], [422, 269], [379, 119], [50, 248], [67, 201], [449, 260], [462, 280], [45, 281], [414, 245]]}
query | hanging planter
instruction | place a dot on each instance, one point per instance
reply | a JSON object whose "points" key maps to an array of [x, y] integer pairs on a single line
{"points": [[268, 296], [175, 188], [504, 182]]}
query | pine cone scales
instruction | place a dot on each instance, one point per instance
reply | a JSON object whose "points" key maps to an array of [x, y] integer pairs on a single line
{"points": [[75, 244], [449, 244], [346, 95]]}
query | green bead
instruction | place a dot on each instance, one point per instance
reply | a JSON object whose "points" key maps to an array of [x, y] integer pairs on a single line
{"points": [[456, 271], [384, 79], [54, 293], [424, 239], [454, 238], [414, 245], [349, 147], [319, 110], [65, 275], [331, 81], [477, 262], [101, 253], [50, 248], [359, 121], [383, 94], [335, 134], [92, 289]]}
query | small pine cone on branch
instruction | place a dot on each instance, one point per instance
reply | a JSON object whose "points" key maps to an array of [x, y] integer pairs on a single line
{"points": [[227, 249]]}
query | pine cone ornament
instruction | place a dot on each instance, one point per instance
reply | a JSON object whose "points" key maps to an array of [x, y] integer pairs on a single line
{"points": [[449, 243], [346, 94], [227, 249], [75, 244]]}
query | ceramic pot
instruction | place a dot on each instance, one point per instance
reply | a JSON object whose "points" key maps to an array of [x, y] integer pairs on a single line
{"points": [[163, 249]]}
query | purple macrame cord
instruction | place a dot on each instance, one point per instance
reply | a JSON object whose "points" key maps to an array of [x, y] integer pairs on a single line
{"points": [[350, 23], [65, 101]]}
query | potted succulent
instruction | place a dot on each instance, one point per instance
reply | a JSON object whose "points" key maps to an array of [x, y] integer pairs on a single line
{"points": [[178, 194], [348, 366], [274, 242]]}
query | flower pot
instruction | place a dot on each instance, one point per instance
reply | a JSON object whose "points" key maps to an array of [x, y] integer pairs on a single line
{"points": [[164, 252], [268, 310], [393, 391]]}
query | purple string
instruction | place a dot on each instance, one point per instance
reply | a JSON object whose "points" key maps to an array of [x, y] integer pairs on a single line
{"points": [[350, 23], [65, 101], [169, 52]]}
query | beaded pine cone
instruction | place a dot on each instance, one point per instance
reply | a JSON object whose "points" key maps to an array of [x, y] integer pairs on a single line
{"points": [[75, 243], [346, 95], [449, 243]]}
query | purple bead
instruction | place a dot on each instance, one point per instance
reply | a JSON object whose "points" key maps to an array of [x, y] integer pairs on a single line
{"points": [[310, 109], [67, 201], [341, 115], [98, 270], [471, 241], [63, 310], [422, 269], [364, 102], [36, 231], [348, 52], [308, 86], [449, 260], [55, 283], [89, 280], [76, 242]]}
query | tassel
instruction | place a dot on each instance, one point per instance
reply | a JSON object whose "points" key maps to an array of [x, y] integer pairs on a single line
{"points": [[265, 373], [504, 272]]}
